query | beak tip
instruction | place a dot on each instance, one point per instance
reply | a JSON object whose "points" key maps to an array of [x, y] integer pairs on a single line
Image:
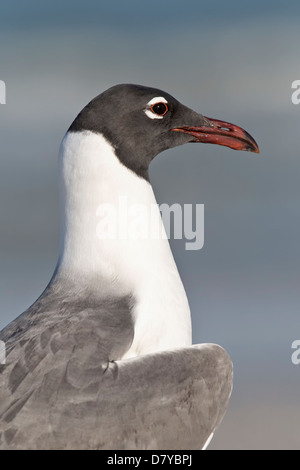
{"points": [[254, 149]]}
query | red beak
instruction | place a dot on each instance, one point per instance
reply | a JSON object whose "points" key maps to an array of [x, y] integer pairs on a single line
{"points": [[222, 133]]}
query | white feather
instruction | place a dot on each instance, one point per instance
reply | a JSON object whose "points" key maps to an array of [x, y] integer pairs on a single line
{"points": [[92, 175]]}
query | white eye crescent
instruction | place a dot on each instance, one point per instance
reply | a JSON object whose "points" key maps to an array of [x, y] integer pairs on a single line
{"points": [[157, 108]]}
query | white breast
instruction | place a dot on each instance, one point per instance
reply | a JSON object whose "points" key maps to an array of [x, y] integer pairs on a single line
{"points": [[94, 183]]}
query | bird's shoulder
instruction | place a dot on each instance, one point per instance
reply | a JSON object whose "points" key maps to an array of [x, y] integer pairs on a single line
{"points": [[61, 341]]}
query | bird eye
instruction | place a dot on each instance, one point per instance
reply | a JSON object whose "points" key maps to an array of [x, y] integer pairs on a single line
{"points": [[159, 108]]}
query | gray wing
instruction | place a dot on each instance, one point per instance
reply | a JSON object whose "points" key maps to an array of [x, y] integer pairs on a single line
{"points": [[63, 387]]}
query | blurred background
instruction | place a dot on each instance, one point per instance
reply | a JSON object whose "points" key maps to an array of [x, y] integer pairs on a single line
{"points": [[233, 61]]}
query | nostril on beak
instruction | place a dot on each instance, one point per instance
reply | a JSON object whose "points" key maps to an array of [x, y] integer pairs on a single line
{"points": [[207, 122]]}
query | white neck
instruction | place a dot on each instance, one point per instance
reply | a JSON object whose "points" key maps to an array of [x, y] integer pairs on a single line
{"points": [[92, 179]]}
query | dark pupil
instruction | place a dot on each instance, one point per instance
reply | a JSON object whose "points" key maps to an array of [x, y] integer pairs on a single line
{"points": [[159, 108]]}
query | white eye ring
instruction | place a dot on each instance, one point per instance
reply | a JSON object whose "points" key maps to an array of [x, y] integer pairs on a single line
{"points": [[150, 113]]}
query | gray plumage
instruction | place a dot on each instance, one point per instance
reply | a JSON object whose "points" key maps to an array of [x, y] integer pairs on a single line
{"points": [[63, 387]]}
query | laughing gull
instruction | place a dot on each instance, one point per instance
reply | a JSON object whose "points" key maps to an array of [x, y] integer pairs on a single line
{"points": [[104, 358]]}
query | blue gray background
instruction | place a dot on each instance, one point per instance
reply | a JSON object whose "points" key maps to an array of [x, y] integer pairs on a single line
{"points": [[229, 60]]}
